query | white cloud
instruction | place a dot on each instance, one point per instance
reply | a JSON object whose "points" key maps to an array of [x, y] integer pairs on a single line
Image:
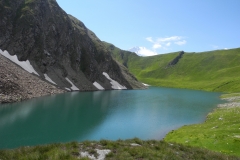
{"points": [[146, 52], [168, 44], [159, 43], [142, 51], [156, 46], [225, 48], [149, 39], [167, 39], [165, 43], [181, 42]]}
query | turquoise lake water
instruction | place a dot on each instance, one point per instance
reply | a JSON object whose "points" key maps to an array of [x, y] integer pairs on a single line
{"points": [[79, 116]]}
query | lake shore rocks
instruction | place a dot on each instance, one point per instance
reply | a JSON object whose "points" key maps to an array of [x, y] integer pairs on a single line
{"points": [[232, 102], [17, 84]]}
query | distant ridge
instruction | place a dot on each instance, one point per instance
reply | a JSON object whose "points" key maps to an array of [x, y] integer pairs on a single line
{"points": [[216, 70]]}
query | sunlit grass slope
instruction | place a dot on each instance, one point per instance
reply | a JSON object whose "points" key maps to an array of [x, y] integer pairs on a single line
{"points": [[220, 132], [212, 71]]}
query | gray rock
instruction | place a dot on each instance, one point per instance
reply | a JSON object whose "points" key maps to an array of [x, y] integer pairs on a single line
{"points": [[58, 44], [176, 59]]}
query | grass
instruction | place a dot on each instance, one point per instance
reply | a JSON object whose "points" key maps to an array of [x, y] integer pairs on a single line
{"points": [[210, 71], [220, 132], [230, 95], [53, 151], [122, 150]]}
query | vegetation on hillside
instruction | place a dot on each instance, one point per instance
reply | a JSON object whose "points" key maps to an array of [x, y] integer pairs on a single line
{"points": [[220, 132], [128, 149], [212, 71]]}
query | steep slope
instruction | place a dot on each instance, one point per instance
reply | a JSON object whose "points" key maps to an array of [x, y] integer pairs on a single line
{"points": [[213, 71], [17, 84], [58, 45]]}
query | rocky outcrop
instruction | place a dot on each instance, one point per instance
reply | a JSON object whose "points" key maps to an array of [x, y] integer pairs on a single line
{"points": [[175, 60], [17, 84], [59, 45]]}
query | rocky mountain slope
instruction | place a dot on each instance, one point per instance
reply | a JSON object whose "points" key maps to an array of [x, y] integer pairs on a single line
{"points": [[16, 84], [59, 47]]}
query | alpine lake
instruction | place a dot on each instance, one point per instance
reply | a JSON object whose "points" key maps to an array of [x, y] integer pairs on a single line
{"points": [[118, 114]]}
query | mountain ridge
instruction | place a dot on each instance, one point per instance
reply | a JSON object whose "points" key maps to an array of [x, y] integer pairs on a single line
{"points": [[211, 70], [59, 45]]}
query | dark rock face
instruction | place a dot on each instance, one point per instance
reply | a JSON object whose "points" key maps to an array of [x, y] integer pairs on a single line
{"points": [[175, 60], [56, 44]]}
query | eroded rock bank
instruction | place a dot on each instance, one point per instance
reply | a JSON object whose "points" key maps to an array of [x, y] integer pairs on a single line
{"points": [[17, 84]]}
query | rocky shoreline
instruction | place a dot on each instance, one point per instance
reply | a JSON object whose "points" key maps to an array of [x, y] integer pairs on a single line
{"points": [[17, 84], [231, 102]]}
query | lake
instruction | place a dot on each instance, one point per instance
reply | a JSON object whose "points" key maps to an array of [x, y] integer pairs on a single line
{"points": [[119, 114]]}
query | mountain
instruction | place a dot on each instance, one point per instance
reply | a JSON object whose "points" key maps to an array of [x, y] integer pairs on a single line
{"points": [[135, 50], [212, 70], [142, 51], [59, 47]]}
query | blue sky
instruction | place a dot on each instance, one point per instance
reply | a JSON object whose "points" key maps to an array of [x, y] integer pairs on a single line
{"points": [[161, 26]]}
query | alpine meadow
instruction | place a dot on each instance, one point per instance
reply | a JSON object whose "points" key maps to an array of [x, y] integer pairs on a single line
{"points": [[211, 71], [119, 80]]}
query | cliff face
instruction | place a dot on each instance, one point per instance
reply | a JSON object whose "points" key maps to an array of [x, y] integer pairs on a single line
{"points": [[58, 45]]}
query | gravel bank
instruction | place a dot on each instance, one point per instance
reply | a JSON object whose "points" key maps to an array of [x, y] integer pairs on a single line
{"points": [[232, 102], [17, 84]]}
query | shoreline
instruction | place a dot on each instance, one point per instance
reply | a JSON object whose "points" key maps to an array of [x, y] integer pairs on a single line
{"points": [[17, 85], [220, 131], [232, 102]]}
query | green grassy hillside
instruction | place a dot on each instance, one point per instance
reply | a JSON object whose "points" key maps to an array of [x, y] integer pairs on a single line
{"points": [[212, 71], [220, 132]]}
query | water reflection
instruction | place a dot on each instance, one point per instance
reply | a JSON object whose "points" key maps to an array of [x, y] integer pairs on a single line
{"points": [[58, 118], [146, 114]]}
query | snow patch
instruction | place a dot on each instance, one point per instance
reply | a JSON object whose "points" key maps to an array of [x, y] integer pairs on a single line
{"points": [[98, 86], [102, 154], [68, 89], [147, 85], [24, 64], [49, 79], [74, 88], [115, 84]]}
